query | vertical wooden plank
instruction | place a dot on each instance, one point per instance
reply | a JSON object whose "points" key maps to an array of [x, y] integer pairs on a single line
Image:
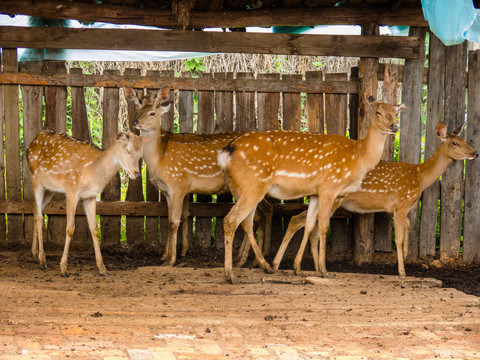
{"points": [[245, 100], [135, 224], [452, 179], [167, 125], [32, 97], [292, 107], [471, 229], [12, 147], [185, 119], [367, 81], [431, 195], [205, 126], [315, 117], [411, 124], [336, 106], [56, 119], [383, 221], [110, 225], [223, 124], [3, 219], [80, 130]]}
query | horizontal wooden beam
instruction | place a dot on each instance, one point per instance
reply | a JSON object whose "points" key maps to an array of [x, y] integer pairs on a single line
{"points": [[147, 208], [202, 41], [182, 83], [55, 9]]}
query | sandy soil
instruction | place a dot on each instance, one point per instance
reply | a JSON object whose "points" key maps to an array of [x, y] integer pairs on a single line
{"points": [[189, 312]]}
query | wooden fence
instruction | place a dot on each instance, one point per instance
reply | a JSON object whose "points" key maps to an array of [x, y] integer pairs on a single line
{"points": [[328, 102]]}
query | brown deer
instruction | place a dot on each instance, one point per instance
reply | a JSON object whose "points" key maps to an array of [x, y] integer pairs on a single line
{"points": [[290, 165], [179, 164], [393, 187], [59, 163]]}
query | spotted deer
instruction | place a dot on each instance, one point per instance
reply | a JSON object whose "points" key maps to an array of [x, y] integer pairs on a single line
{"points": [[289, 165], [59, 163], [179, 164], [395, 188]]}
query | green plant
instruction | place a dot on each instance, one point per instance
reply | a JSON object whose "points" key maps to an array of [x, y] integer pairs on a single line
{"points": [[195, 65]]}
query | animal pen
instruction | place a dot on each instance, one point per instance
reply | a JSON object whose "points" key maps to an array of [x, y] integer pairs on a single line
{"points": [[333, 103]]}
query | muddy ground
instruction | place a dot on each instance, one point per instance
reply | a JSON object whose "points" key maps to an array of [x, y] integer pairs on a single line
{"points": [[189, 312]]}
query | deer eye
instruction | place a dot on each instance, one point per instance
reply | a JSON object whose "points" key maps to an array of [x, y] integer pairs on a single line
{"points": [[152, 113], [454, 143], [378, 113]]}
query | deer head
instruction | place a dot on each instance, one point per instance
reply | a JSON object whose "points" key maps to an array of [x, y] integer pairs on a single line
{"points": [[150, 107], [455, 147], [129, 152], [382, 117]]}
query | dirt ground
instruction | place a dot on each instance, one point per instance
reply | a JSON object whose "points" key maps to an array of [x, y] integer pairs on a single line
{"points": [[145, 311]]}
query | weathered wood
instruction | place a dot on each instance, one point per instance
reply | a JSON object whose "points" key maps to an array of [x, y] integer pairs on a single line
{"points": [[431, 195], [210, 19], [315, 116], [3, 219], [226, 42], [411, 126], [452, 179], [56, 119], [383, 221], [471, 230], [292, 107], [336, 106], [223, 123], [245, 100], [367, 86], [110, 227], [80, 130], [268, 85], [205, 125], [148, 208]]}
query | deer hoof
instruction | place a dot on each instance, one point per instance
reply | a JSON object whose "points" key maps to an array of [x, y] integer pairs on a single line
{"points": [[269, 270], [64, 274], [328, 276], [104, 273], [43, 266]]}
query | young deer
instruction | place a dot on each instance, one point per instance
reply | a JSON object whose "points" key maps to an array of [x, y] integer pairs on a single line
{"points": [[393, 187], [290, 165], [179, 164], [59, 163]]}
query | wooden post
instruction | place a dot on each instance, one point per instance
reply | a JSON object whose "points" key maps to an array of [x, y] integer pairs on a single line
{"points": [[411, 124], [223, 123], [452, 179], [56, 119], [205, 126], [367, 86], [80, 130], [336, 106], [431, 195], [110, 225], [471, 231], [32, 97], [383, 221]]}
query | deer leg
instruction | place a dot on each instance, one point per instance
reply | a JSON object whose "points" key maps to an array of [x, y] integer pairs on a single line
{"points": [[37, 243], [400, 228], [247, 225], [184, 221], [268, 212], [314, 240], [406, 236], [324, 213], [243, 207], [71, 206], [309, 226], [295, 224], [175, 214], [243, 251], [166, 252], [260, 237], [90, 206]]}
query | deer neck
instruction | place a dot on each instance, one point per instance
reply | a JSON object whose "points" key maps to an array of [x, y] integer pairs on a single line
{"points": [[431, 169], [105, 166], [370, 149]]}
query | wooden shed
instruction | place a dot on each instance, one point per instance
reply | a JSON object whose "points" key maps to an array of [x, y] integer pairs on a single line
{"points": [[433, 93]]}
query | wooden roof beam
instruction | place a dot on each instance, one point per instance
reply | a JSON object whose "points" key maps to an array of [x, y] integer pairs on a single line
{"points": [[210, 19], [214, 42]]}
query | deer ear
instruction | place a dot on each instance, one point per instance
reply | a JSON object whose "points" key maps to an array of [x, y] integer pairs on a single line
{"points": [[121, 135], [441, 131], [132, 95], [459, 129], [400, 107]]}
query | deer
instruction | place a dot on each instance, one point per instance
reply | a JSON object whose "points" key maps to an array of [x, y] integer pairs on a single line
{"points": [[290, 164], [59, 163], [395, 188], [180, 164]]}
